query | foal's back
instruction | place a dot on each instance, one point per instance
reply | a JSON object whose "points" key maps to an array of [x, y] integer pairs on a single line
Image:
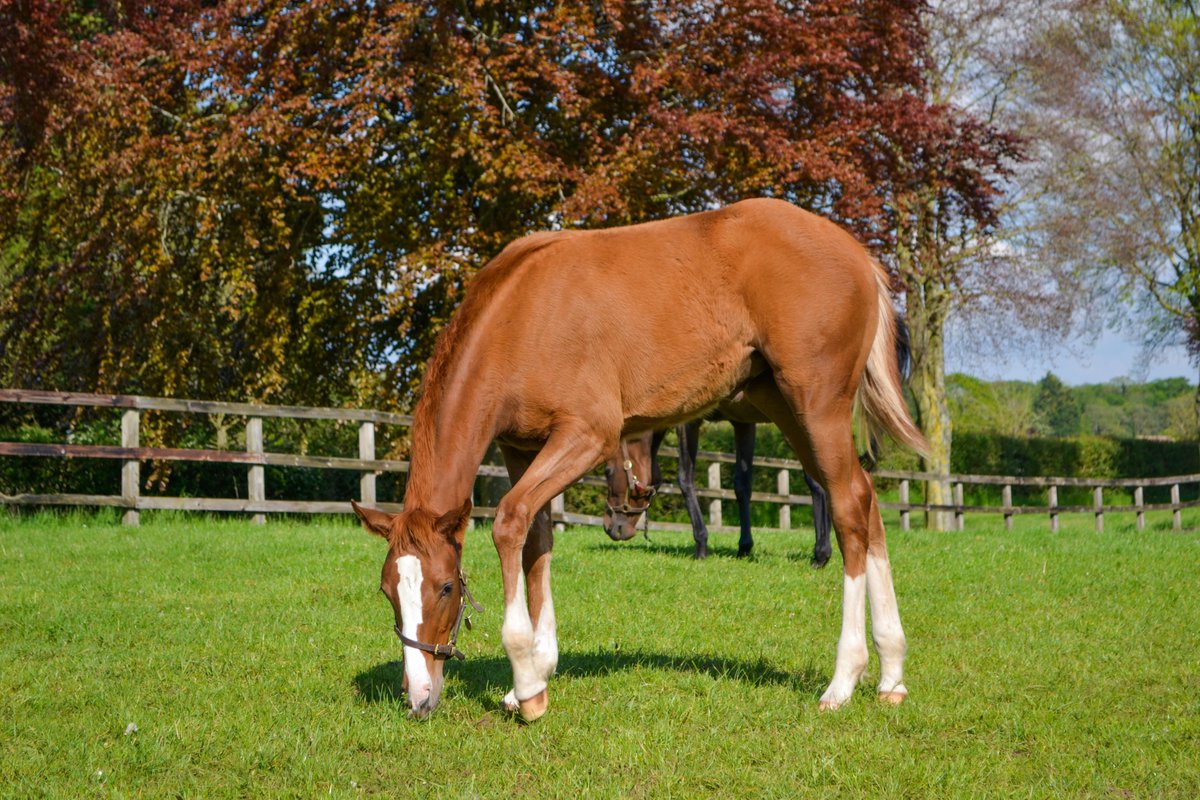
{"points": [[665, 318]]}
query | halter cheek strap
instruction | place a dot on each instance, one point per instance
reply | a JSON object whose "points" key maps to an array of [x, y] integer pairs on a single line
{"points": [[448, 649], [634, 489]]}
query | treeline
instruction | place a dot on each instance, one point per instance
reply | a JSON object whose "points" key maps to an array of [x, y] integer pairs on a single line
{"points": [[1120, 409]]}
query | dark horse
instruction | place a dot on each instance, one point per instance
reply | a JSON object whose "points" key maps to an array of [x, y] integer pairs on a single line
{"points": [[569, 342], [629, 498]]}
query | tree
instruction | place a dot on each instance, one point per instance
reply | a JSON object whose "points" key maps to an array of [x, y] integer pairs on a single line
{"points": [[283, 201], [1116, 87], [948, 254], [1057, 406], [161, 213]]}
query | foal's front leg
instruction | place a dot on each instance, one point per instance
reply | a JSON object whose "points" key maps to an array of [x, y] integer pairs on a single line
{"points": [[530, 638], [535, 564]]}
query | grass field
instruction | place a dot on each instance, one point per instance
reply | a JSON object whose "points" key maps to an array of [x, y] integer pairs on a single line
{"points": [[260, 661]]}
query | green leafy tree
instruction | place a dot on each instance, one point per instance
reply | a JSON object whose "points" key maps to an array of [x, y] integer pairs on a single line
{"points": [[1056, 406]]}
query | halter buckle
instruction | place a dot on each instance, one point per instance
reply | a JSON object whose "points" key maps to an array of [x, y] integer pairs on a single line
{"points": [[447, 649]]}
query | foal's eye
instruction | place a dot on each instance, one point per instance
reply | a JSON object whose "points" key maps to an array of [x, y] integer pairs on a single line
{"points": [[446, 590]]}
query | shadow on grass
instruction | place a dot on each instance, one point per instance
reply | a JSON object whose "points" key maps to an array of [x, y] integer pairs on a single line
{"points": [[487, 679], [688, 551], [381, 683]]}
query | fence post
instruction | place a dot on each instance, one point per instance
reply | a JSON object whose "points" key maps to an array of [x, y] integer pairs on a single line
{"points": [[1006, 495], [1176, 521], [904, 524], [784, 487], [131, 470], [256, 485], [958, 502], [1053, 506], [366, 452], [1098, 493], [558, 506], [1138, 502], [714, 482]]}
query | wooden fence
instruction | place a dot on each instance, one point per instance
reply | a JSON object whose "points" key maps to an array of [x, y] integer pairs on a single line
{"points": [[131, 454]]}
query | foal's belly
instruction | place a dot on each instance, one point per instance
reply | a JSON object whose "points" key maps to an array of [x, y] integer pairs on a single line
{"points": [[684, 391]]}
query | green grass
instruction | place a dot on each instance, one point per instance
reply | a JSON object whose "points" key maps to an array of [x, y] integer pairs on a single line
{"points": [[260, 661]]}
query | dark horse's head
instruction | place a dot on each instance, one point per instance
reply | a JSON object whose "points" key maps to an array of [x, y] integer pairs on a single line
{"points": [[633, 479]]}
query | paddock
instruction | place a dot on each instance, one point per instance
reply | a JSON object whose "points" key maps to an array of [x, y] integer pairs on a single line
{"points": [[259, 660]]}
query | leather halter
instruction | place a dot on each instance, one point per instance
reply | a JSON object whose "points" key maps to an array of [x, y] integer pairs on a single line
{"points": [[449, 649], [634, 488]]}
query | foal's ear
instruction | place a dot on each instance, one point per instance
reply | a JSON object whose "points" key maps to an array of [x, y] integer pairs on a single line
{"points": [[375, 521], [454, 523]]}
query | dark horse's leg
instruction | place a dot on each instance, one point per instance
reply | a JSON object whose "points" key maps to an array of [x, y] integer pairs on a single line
{"points": [[743, 473], [689, 442], [822, 521]]}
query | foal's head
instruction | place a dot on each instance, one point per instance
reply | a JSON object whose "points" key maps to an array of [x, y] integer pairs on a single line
{"points": [[633, 479], [422, 579]]}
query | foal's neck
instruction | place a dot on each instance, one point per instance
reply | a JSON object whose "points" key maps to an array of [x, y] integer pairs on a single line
{"points": [[451, 431]]}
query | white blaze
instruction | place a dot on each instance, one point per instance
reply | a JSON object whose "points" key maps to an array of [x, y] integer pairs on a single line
{"points": [[408, 591]]}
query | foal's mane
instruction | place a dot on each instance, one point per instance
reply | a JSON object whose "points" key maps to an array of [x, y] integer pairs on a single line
{"points": [[480, 289]]}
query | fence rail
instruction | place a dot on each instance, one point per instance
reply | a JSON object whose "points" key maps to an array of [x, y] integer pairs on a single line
{"points": [[131, 454]]}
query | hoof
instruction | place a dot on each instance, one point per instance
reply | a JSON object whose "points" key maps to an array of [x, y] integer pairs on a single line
{"points": [[894, 697], [509, 703], [830, 705], [535, 706]]}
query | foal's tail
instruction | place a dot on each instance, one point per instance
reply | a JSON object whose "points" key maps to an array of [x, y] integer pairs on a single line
{"points": [[880, 401]]}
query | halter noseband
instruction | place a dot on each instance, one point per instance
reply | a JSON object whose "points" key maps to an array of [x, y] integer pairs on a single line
{"points": [[634, 488], [449, 649]]}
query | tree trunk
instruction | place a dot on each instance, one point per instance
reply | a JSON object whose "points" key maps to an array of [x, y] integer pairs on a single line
{"points": [[927, 307], [927, 322]]}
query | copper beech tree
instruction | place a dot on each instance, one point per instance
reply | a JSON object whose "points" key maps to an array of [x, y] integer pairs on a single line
{"points": [[282, 201]]}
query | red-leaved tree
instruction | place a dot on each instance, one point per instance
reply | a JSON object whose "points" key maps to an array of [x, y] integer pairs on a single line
{"points": [[283, 200]]}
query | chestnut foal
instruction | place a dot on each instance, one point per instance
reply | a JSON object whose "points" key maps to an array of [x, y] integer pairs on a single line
{"points": [[568, 342]]}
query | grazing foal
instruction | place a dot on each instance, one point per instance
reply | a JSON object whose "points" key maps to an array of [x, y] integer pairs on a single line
{"points": [[568, 342]]}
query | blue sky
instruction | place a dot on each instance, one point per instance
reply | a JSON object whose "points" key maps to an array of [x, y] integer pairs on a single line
{"points": [[1112, 355]]}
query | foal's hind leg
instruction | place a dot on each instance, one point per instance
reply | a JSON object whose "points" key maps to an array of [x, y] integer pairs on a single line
{"points": [[529, 638], [825, 445]]}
